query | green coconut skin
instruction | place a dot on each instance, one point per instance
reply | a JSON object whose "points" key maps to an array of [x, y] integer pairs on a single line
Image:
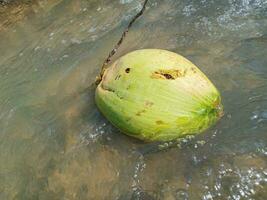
{"points": [[157, 95]]}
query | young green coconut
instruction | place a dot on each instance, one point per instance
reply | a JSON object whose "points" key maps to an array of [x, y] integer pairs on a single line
{"points": [[157, 95]]}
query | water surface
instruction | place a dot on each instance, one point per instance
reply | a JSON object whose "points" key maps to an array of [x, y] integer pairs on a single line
{"points": [[54, 143]]}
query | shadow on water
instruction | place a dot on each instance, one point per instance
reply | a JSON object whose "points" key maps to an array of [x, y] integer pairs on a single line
{"points": [[54, 143]]}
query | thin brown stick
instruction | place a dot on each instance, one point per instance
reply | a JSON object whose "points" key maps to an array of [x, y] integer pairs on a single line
{"points": [[114, 50]]}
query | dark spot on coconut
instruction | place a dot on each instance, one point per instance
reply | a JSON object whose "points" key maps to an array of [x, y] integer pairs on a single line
{"points": [[159, 122], [149, 103], [117, 77], [127, 70], [139, 113], [128, 119], [169, 74], [193, 70], [105, 88]]}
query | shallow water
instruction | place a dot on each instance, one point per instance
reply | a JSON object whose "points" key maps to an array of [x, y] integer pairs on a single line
{"points": [[54, 143]]}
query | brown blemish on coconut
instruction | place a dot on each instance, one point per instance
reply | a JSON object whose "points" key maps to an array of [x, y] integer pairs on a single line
{"points": [[193, 70], [149, 103], [107, 89], [159, 122], [139, 113], [169, 74], [128, 119], [117, 77]]}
